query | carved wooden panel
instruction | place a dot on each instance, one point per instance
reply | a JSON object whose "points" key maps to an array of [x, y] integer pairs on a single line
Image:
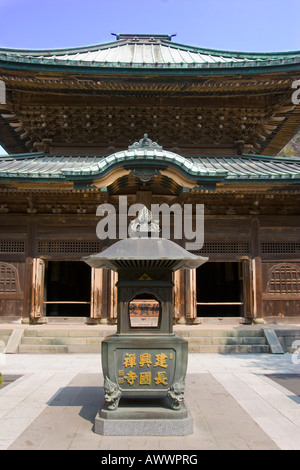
{"points": [[9, 279], [281, 289], [11, 289], [284, 278]]}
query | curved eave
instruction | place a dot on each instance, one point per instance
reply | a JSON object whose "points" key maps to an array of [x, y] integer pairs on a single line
{"points": [[133, 161], [218, 68]]}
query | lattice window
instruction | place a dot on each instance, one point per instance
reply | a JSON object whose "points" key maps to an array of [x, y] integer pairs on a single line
{"points": [[68, 247], [223, 248], [9, 279], [12, 246], [284, 279], [278, 247]]}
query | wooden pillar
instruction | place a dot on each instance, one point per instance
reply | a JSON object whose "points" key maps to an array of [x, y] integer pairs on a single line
{"points": [[179, 296], [113, 297], [190, 295], [103, 309], [37, 291], [31, 250], [103, 296], [96, 294], [176, 296], [248, 287], [256, 269], [184, 301], [27, 290]]}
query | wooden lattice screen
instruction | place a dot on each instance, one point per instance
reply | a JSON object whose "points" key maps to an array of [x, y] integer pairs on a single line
{"points": [[284, 278], [9, 279], [222, 248], [48, 247]]}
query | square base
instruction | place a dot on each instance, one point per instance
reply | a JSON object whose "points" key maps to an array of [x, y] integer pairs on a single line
{"points": [[143, 418]]}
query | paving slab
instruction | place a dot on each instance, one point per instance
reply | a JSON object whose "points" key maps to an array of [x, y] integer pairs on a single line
{"points": [[234, 403], [68, 420]]}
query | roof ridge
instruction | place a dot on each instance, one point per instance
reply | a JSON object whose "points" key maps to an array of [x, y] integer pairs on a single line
{"points": [[61, 51], [230, 53]]}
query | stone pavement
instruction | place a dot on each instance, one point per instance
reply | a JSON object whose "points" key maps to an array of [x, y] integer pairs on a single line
{"points": [[246, 401]]}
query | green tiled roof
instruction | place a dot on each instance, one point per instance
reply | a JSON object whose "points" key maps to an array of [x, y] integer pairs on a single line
{"points": [[143, 51], [240, 168]]}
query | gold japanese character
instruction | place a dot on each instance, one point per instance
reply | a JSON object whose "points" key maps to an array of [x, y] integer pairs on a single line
{"points": [[129, 360], [161, 360], [145, 378], [145, 359], [130, 377], [161, 378]]}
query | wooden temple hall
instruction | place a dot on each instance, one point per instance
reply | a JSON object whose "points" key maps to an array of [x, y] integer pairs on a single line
{"points": [[73, 122]]}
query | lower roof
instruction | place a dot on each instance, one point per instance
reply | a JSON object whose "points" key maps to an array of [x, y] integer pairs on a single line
{"points": [[41, 167]]}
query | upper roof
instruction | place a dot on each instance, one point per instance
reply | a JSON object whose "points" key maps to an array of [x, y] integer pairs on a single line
{"points": [[89, 96], [146, 52]]}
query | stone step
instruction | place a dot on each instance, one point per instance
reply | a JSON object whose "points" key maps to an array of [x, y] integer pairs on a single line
{"points": [[230, 349], [42, 349], [66, 320], [59, 348], [198, 332], [61, 340], [96, 348], [88, 340], [228, 340], [29, 332]]}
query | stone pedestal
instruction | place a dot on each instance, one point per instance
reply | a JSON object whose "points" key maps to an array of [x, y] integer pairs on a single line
{"points": [[144, 417], [144, 386]]}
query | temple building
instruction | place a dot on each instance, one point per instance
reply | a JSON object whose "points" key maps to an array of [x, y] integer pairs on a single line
{"points": [[158, 122]]}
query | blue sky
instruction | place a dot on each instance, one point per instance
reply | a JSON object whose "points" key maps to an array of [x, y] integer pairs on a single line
{"points": [[256, 25]]}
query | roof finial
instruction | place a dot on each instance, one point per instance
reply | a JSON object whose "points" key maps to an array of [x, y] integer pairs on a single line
{"points": [[145, 143]]}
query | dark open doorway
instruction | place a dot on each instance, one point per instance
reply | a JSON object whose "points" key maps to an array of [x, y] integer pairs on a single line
{"points": [[67, 288], [219, 289]]}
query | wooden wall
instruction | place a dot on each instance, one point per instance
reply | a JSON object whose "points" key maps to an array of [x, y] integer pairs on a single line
{"points": [[268, 243]]}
